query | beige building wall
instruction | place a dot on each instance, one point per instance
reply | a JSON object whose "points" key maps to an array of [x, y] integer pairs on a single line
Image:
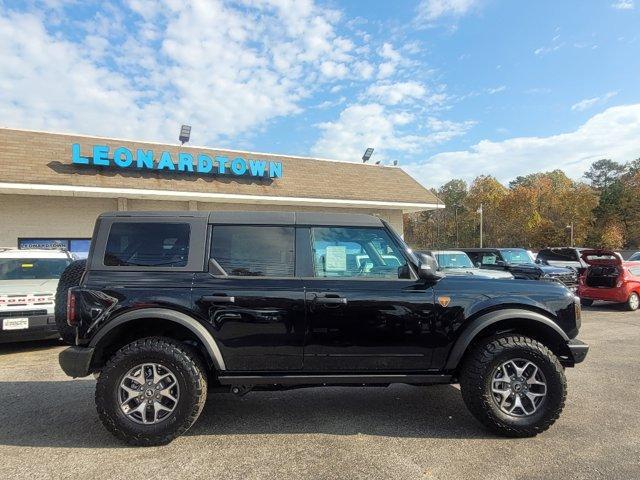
{"points": [[57, 216]]}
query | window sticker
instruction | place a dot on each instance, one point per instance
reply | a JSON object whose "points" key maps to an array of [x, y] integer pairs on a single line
{"points": [[335, 259]]}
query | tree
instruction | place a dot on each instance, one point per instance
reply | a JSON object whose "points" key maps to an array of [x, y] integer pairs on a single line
{"points": [[603, 172]]}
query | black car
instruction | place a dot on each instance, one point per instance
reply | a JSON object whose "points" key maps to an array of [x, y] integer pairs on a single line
{"points": [[568, 257], [173, 304], [521, 265]]}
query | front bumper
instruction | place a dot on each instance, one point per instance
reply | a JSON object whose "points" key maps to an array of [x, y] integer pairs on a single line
{"points": [[76, 361], [41, 327], [577, 350]]}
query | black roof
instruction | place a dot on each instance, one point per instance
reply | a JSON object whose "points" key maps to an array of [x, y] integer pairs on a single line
{"points": [[487, 249], [264, 218]]}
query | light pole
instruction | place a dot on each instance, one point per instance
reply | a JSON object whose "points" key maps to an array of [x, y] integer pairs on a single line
{"points": [[455, 216], [480, 212], [571, 228]]}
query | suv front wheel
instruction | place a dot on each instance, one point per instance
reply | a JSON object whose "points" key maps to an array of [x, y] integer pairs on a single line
{"points": [[513, 385], [151, 391]]}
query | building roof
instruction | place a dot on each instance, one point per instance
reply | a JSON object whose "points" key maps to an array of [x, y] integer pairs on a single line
{"points": [[38, 160]]}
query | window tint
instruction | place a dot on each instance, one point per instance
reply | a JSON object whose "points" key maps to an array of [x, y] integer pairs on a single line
{"points": [[31, 268], [254, 250], [489, 258], [147, 244], [635, 271], [356, 252]]}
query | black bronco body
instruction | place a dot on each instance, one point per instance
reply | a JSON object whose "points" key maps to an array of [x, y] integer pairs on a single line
{"points": [[176, 303]]}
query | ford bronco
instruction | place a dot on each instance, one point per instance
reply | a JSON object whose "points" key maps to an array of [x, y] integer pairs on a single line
{"points": [[173, 305]]}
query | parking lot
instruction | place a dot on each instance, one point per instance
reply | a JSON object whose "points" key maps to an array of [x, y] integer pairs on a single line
{"points": [[49, 428]]}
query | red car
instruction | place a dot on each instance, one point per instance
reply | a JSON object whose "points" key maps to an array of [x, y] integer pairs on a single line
{"points": [[608, 277]]}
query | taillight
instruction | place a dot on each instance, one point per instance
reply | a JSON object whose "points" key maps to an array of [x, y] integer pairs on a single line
{"points": [[72, 321]]}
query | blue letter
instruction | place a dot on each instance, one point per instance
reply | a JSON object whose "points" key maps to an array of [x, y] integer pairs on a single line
{"points": [[122, 157], [257, 167], [239, 166], [76, 157], [144, 159], [185, 162], [166, 162], [222, 164], [101, 155], [205, 163], [275, 169]]}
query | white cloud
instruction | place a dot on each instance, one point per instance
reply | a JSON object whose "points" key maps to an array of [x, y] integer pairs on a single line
{"points": [[611, 134], [431, 10], [144, 69], [592, 102], [374, 125], [391, 60], [623, 5], [400, 92], [492, 91]]}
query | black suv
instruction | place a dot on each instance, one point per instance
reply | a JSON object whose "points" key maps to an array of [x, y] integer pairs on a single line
{"points": [[519, 263], [174, 304]]}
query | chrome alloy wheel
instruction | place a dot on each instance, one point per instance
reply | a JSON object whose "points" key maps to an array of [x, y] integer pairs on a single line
{"points": [[148, 393], [634, 301], [518, 387]]}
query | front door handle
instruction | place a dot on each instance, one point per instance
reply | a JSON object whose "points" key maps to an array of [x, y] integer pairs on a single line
{"points": [[217, 299], [334, 300]]}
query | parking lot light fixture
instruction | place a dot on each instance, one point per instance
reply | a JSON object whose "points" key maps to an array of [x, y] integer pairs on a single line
{"points": [[367, 155], [185, 134]]}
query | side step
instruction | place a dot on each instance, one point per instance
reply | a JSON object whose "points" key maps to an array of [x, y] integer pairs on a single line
{"points": [[331, 379]]}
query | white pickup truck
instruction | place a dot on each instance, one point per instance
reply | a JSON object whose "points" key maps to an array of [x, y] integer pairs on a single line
{"points": [[28, 282]]}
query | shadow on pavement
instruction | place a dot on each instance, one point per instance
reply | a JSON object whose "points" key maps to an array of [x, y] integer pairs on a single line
{"points": [[62, 414], [30, 346]]}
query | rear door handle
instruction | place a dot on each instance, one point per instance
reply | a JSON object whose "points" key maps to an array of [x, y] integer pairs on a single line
{"points": [[217, 299]]}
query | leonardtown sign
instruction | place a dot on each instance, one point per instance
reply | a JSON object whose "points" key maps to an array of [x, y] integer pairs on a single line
{"points": [[183, 162]]}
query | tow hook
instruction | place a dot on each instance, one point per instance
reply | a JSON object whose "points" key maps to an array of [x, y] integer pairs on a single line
{"points": [[241, 390]]}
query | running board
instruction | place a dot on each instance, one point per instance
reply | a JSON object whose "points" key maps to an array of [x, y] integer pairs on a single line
{"points": [[330, 379]]}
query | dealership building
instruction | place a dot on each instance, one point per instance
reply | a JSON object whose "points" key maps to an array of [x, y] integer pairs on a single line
{"points": [[53, 186]]}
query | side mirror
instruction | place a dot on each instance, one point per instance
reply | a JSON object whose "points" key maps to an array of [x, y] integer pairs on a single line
{"points": [[428, 267]]}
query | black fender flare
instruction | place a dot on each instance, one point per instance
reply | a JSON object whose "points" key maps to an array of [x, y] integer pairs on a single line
{"points": [[487, 319], [173, 316]]}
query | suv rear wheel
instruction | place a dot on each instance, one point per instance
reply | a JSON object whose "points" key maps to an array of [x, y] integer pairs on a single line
{"points": [[151, 391], [514, 385]]}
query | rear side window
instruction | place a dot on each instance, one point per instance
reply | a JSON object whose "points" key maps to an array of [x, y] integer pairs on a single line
{"points": [[254, 251], [146, 244], [635, 271], [559, 255]]}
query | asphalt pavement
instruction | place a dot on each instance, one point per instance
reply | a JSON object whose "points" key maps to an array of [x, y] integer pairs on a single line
{"points": [[49, 427]]}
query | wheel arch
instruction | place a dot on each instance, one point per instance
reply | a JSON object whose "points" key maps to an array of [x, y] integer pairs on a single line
{"points": [[131, 325], [525, 322]]}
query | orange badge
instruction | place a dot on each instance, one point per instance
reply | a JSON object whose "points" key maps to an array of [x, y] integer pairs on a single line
{"points": [[444, 301]]}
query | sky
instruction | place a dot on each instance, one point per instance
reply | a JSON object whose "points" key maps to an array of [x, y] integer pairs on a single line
{"points": [[447, 88]]}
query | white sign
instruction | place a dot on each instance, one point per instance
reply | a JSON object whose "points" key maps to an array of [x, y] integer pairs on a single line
{"points": [[335, 259], [15, 323]]}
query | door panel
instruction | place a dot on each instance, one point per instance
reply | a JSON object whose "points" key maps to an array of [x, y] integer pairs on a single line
{"points": [[360, 325], [259, 322]]}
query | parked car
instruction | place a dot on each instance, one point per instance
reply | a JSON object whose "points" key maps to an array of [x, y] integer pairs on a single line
{"points": [[28, 282], [518, 262], [456, 262], [568, 257], [171, 304], [610, 278]]}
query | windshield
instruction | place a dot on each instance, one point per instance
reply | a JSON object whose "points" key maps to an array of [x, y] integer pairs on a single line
{"points": [[515, 255], [453, 260], [32, 268]]}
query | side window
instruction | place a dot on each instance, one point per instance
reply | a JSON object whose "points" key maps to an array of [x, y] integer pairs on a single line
{"points": [[254, 251], [489, 258], [143, 244], [635, 271], [357, 252]]}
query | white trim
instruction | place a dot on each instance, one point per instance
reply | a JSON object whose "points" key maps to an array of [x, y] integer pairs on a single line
{"points": [[111, 192], [201, 147]]}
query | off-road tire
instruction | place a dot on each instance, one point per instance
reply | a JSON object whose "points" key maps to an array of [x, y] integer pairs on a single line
{"points": [[586, 302], [192, 380], [70, 278], [632, 302], [476, 376]]}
